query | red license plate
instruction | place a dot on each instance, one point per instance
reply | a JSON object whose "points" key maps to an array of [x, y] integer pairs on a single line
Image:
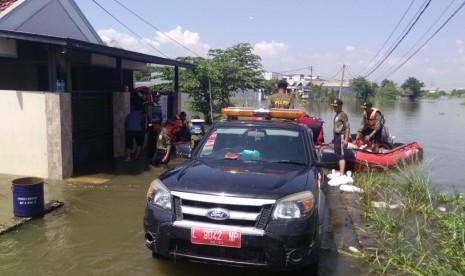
{"points": [[216, 237]]}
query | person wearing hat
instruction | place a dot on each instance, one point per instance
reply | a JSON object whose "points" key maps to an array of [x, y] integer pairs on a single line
{"points": [[281, 99], [370, 129], [341, 130]]}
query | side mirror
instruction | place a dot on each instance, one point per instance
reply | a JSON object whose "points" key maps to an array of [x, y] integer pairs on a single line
{"points": [[327, 159]]}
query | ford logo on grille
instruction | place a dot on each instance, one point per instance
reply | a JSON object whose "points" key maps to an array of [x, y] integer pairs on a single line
{"points": [[218, 214]]}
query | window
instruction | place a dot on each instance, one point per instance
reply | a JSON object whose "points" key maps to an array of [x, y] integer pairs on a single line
{"points": [[268, 144]]}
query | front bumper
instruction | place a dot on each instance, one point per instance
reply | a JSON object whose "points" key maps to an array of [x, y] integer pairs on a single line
{"points": [[283, 245]]}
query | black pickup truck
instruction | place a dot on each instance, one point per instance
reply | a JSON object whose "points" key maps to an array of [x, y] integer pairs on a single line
{"points": [[248, 195]]}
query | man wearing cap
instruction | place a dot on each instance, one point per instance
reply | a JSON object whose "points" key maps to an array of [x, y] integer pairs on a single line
{"points": [[371, 127], [281, 99], [341, 130]]}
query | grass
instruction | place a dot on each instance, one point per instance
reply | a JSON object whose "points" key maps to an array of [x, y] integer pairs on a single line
{"points": [[421, 233]]}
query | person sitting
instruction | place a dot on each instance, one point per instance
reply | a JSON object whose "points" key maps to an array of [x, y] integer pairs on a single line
{"points": [[281, 99], [370, 130]]}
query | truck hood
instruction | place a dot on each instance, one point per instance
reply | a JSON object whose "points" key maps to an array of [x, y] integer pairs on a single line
{"points": [[239, 178]]}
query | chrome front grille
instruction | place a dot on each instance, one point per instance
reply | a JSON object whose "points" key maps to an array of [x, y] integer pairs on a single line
{"points": [[248, 215]]}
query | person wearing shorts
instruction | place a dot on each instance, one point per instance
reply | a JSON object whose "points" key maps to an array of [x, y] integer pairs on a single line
{"points": [[341, 130], [135, 131]]}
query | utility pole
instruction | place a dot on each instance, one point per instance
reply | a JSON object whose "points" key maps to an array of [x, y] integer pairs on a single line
{"points": [[342, 80], [311, 74]]}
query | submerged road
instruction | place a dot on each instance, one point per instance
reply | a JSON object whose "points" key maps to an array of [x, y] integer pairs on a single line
{"points": [[99, 231]]}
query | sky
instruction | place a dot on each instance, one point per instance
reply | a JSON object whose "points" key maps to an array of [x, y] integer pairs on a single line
{"points": [[295, 35]]}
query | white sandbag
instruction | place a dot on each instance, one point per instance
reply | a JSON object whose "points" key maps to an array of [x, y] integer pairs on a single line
{"points": [[350, 188], [383, 204], [342, 179], [333, 174]]}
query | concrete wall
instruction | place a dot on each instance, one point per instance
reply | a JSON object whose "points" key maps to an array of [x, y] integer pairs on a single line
{"points": [[59, 135], [36, 133], [121, 105], [23, 139]]}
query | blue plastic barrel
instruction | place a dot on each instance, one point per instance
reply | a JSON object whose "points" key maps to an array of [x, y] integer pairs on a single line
{"points": [[28, 197]]}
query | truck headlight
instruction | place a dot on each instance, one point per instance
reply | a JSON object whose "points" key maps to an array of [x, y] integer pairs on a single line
{"points": [[294, 206], [159, 195]]}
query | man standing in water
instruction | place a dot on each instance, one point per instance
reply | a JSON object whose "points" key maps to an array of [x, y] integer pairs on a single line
{"points": [[281, 99], [341, 130]]}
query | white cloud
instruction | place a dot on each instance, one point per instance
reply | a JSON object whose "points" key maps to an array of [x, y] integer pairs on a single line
{"points": [[126, 41], [271, 49], [275, 55], [189, 39], [184, 37], [349, 48], [460, 46]]}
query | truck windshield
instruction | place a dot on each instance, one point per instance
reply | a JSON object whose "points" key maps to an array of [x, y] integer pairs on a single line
{"points": [[259, 143]]}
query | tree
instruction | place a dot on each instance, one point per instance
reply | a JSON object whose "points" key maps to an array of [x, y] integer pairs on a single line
{"points": [[321, 94], [413, 87], [270, 86], [238, 69], [387, 82], [363, 88], [227, 72]]}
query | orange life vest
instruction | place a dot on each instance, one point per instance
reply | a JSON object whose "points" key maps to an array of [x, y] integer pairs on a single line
{"points": [[371, 121]]}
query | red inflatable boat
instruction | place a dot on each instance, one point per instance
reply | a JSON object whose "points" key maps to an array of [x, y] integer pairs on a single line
{"points": [[362, 160]]}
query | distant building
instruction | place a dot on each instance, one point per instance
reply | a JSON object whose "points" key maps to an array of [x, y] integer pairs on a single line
{"points": [[300, 83]]}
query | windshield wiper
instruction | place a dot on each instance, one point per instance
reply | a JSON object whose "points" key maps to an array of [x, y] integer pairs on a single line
{"points": [[289, 162]]}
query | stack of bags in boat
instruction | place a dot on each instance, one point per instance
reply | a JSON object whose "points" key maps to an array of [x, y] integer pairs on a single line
{"points": [[344, 182]]}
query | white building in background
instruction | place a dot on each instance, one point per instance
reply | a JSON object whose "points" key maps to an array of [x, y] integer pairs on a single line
{"points": [[298, 81]]}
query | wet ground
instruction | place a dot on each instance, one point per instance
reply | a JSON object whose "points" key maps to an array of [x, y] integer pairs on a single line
{"points": [[99, 231]]}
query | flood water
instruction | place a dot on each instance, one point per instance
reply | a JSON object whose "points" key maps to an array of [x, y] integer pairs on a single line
{"points": [[438, 125], [99, 231]]}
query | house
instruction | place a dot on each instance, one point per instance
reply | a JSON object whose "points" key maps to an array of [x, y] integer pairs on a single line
{"points": [[49, 46]]}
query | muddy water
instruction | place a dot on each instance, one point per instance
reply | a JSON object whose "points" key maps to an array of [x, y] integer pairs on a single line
{"points": [[99, 232]]}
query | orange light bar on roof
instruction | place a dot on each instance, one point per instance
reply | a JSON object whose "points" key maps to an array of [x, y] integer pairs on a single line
{"points": [[272, 113], [286, 113], [238, 111]]}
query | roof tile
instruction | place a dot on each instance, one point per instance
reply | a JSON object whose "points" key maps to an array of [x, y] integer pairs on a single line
{"points": [[5, 4]]}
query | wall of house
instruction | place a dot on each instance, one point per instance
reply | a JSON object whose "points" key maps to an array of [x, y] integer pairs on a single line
{"points": [[59, 135], [36, 135], [23, 139], [121, 103]]}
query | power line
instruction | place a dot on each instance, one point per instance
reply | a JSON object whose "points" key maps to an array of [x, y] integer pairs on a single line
{"points": [[419, 40], [389, 37], [129, 29], [398, 43], [349, 74], [157, 29], [335, 74], [428, 40], [293, 70]]}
